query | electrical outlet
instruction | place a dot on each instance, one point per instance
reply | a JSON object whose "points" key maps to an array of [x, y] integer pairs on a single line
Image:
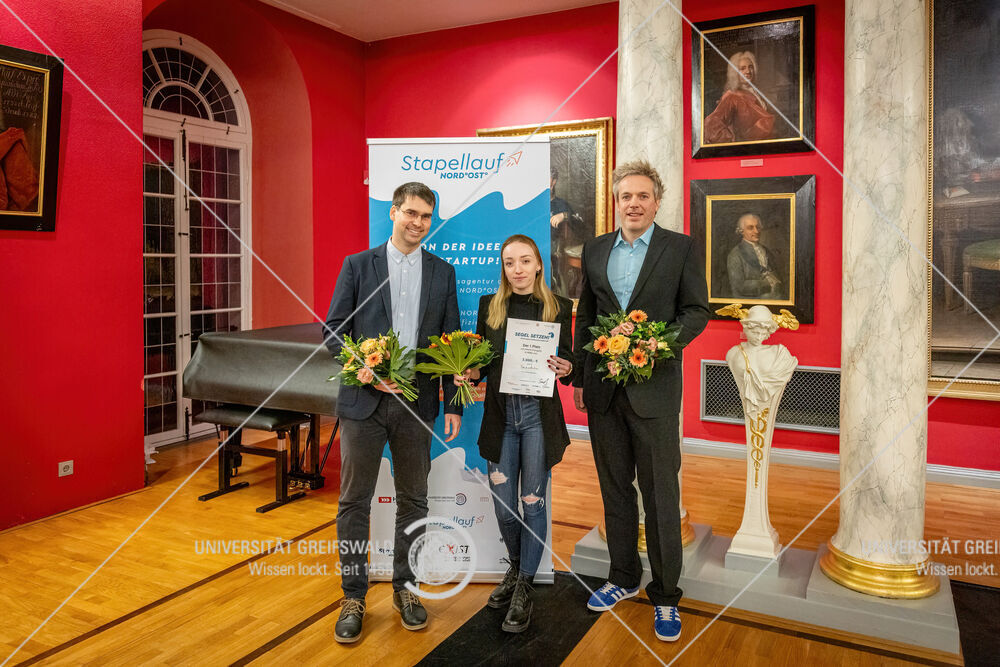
{"points": [[65, 468]]}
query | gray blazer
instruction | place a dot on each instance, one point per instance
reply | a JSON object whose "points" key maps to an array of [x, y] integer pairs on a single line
{"points": [[359, 311]]}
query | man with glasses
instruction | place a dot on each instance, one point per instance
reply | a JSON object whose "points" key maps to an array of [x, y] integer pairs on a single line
{"points": [[402, 287]]}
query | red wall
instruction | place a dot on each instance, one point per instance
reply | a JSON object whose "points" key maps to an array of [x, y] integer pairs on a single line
{"points": [[815, 344], [71, 301], [453, 82]]}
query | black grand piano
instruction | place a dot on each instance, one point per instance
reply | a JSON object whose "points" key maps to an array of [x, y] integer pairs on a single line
{"points": [[270, 379]]}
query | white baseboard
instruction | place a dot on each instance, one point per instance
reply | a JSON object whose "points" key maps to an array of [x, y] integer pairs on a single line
{"points": [[989, 479]]}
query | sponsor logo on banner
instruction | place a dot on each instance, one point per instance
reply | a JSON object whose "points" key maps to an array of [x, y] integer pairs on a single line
{"points": [[470, 521], [460, 499]]}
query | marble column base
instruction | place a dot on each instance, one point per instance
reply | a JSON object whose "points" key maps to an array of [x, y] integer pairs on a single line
{"points": [[800, 592]]}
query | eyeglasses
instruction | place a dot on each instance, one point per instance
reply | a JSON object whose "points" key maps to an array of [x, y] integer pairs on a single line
{"points": [[410, 214]]}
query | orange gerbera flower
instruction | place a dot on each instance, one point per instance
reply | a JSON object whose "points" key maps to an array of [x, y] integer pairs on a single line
{"points": [[601, 344], [432, 345], [638, 358], [638, 316], [373, 359]]}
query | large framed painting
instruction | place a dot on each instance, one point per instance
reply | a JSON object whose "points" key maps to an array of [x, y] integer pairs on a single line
{"points": [[758, 238], [30, 104], [753, 84], [580, 159], [964, 200]]}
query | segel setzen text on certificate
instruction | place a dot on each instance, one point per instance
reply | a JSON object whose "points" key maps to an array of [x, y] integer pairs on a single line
{"points": [[527, 349]]}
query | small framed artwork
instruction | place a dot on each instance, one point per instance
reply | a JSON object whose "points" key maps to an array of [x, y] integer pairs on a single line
{"points": [[580, 190], [758, 236], [753, 87], [30, 104]]}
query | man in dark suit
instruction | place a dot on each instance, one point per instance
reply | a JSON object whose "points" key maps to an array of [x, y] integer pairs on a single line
{"points": [[402, 287], [634, 428]]}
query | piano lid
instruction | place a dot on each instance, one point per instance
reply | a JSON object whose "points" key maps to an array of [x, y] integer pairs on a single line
{"points": [[246, 367]]}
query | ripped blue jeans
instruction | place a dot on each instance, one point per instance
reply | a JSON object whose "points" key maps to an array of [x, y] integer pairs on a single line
{"points": [[522, 457]]}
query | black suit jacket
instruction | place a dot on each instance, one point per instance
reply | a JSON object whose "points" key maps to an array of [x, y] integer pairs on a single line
{"points": [[495, 404], [361, 309], [671, 288]]}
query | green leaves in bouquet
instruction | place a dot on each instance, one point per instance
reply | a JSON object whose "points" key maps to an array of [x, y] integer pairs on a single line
{"points": [[453, 354], [400, 361], [396, 365]]}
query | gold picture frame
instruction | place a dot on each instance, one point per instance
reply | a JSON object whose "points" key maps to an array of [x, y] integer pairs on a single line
{"points": [[30, 112], [581, 156], [963, 194], [776, 51], [723, 227], [774, 266]]}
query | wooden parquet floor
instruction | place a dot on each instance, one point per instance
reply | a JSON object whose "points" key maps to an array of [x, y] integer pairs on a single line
{"points": [[163, 597]]}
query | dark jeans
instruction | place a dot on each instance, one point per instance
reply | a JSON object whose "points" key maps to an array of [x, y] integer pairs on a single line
{"points": [[627, 446], [522, 457], [361, 445]]}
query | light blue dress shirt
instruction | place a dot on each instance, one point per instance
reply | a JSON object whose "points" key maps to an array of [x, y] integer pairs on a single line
{"points": [[624, 264], [404, 287]]}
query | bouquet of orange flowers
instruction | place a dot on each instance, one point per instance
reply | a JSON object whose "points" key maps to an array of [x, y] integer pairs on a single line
{"points": [[629, 345], [454, 353], [369, 360]]}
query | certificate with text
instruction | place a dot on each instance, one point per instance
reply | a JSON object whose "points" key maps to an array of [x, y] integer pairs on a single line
{"points": [[527, 349]]}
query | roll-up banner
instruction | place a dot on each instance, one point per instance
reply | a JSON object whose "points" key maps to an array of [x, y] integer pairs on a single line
{"points": [[487, 189]]}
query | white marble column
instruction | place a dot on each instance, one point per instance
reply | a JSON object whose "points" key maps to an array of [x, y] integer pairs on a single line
{"points": [[651, 97], [884, 330]]}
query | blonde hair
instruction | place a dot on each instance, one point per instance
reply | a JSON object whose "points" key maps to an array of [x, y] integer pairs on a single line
{"points": [[637, 168], [498, 304]]}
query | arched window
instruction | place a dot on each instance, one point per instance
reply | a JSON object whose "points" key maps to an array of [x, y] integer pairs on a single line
{"points": [[196, 218], [180, 82]]}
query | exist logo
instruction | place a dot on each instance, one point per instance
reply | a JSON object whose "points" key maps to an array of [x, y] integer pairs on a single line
{"points": [[513, 159], [460, 499], [385, 499], [438, 556]]}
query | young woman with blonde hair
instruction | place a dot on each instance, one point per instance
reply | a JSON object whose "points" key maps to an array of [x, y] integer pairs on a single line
{"points": [[522, 437]]}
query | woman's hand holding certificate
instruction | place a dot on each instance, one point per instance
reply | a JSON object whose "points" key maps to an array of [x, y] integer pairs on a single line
{"points": [[526, 365]]}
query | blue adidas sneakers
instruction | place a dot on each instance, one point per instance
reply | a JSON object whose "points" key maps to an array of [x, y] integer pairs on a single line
{"points": [[608, 595], [667, 623]]}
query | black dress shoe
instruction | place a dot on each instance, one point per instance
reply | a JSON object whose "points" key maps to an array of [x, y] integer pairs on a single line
{"points": [[411, 612], [519, 614], [348, 628], [500, 597]]}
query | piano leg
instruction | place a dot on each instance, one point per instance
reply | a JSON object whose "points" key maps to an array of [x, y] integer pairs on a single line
{"points": [[226, 466], [311, 478], [314, 450], [281, 496]]}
